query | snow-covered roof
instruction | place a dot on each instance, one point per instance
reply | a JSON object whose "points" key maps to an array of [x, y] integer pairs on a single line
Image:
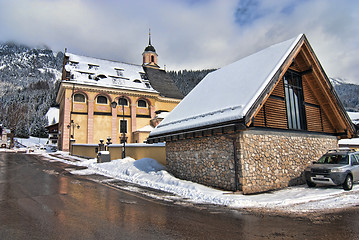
{"points": [[53, 113], [147, 128], [354, 116], [162, 115], [228, 93], [93, 71]]}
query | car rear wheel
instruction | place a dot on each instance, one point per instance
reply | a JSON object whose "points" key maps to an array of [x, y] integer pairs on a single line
{"points": [[348, 183], [311, 184]]}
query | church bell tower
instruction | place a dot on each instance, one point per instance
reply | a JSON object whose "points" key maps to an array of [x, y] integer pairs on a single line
{"points": [[150, 55]]}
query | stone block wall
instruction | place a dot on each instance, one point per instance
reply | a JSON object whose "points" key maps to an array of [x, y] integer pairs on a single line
{"points": [[266, 160], [206, 160], [272, 160]]}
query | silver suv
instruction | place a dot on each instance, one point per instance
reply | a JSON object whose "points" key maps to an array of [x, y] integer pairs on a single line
{"points": [[336, 167]]}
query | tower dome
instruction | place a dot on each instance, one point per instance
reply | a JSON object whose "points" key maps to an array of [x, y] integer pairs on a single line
{"points": [[150, 55], [150, 48]]}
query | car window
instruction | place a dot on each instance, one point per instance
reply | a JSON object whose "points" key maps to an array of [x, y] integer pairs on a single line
{"points": [[334, 159], [355, 159]]}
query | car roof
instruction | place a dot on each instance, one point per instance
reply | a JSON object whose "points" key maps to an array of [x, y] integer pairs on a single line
{"points": [[341, 151]]}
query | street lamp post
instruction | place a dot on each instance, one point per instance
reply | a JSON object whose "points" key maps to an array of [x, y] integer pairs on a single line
{"points": [[72, 136], [122, 103], [73, 125]]}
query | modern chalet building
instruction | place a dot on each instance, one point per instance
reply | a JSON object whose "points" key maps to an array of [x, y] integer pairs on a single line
{"points": [[255, 124], [89, 86]]}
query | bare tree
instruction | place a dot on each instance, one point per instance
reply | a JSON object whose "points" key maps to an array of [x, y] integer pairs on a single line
{"points": [[15, 113]]}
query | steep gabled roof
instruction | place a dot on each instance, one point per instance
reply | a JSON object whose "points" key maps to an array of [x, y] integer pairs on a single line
{"points": [[236, 92], [163, 83]]}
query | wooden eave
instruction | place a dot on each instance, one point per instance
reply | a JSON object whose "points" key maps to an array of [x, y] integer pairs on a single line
{"points": [[205, 131], [321, 87]]}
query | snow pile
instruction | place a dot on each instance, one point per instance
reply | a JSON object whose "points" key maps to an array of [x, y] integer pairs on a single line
{"points": [[149, 173]]}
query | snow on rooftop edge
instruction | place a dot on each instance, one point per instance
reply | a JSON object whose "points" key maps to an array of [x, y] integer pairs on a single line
{"points": [[216, 98]]}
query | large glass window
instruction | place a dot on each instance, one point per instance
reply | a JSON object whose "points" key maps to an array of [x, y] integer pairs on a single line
{"points": [[294, 100]]}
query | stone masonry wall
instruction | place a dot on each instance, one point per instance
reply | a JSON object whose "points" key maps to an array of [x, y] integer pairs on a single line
{"points": [[267, 160], [272, 160], [206, 160]]}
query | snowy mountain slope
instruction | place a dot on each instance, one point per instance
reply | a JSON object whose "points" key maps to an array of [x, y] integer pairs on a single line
{"points": [[337, 81], [28, 80], [22, 65], [348, 93]]}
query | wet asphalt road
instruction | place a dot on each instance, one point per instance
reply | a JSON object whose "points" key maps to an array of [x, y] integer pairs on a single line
{"points": [[40, 200]]}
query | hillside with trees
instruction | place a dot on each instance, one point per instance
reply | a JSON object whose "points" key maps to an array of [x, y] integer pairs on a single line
{"points": [[28, 82], [186, 80]]}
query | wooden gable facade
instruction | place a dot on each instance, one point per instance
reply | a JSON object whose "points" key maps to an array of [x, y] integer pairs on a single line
{"points": [[315, 101]]}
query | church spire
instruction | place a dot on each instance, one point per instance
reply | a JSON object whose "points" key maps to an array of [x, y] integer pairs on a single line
{"points": [[149, 37], [150, 55]]}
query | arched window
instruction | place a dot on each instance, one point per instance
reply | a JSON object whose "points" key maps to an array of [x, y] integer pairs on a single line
{"points": [[102, 100], [78, 97], [122, 101], [142, 103], [152, 58]]}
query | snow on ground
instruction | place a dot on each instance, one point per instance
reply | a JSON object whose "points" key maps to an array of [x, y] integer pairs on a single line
{"points": [[32, 142], [149, 173]]}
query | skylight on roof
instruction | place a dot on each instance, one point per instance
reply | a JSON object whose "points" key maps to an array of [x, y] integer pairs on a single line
{"points": [[74, 64], [119, 72], [143, 76], [93, 67], [116, 81]]}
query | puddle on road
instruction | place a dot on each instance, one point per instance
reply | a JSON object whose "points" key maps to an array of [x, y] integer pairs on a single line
{"points": [[145, 191]]}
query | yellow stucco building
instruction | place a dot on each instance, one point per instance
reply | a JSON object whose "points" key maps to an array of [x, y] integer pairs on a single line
{"points": [[102, 98]]}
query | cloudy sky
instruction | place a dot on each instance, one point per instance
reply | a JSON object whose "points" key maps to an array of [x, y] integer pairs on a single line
{"points": [[187, 34]]}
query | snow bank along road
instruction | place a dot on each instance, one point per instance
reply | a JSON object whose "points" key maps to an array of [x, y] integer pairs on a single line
{"points": [[149, 173]]}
